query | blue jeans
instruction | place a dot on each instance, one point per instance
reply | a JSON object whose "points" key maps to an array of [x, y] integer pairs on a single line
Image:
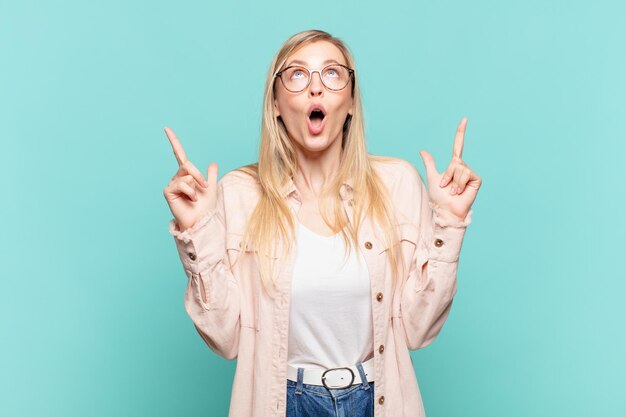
{"points": [[307, 400]]}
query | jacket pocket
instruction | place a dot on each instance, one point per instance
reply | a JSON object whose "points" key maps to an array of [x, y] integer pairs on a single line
{"points": [[406, 232], [234, 242], [415, 253]]}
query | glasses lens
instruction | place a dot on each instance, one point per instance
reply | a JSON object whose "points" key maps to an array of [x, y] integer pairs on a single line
{"points": [[335, 77], [295, 78]]}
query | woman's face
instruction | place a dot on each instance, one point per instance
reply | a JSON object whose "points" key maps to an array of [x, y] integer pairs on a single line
{"points": [[313, 135]]}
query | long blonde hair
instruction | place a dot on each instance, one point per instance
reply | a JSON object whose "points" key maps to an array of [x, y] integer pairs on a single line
{"points": [[272, 220]]}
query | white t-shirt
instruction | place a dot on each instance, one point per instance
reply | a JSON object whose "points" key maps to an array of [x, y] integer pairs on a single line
{"points": [[330, 322]]}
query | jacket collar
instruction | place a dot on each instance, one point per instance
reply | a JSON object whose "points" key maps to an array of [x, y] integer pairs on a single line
{"points": [[345, 191]]}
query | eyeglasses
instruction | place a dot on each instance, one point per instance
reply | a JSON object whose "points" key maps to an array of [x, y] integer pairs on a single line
{"points": [[335, 77]]}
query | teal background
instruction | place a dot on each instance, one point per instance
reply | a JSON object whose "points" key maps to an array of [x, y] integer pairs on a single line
{"points": [[92, 321]]}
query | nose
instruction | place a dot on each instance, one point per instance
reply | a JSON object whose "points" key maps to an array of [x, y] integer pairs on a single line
{"points": [[316, 87]]}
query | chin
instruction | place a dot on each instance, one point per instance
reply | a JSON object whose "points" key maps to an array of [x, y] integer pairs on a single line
{"points": [[317, 143]]}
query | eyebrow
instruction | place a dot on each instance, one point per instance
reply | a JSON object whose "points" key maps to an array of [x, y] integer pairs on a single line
{"points": [[297, 61]]}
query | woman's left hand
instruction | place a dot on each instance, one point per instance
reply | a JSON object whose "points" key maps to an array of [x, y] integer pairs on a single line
{"points": [[455, 190]]}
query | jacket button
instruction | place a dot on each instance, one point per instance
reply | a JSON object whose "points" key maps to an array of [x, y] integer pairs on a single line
{"points": [[381, 348], [192, 256], [381, 400], [438, 242], [368, 245], [379, 296]]}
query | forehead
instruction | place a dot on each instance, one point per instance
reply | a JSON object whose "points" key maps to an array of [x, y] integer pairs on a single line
{"points": [[316, 54]]}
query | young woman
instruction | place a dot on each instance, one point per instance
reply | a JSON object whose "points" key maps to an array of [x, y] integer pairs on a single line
{"points": [[320, 266]]}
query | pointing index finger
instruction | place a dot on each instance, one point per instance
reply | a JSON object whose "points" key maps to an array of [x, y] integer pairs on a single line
{"points": [[458, 138], [179, 153]]}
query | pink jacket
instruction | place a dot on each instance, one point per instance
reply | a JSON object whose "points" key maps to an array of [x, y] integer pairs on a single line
{"points": [[237, 319]]}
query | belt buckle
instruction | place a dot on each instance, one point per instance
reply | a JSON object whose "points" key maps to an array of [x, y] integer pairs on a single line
{"points": [[335, 369]]}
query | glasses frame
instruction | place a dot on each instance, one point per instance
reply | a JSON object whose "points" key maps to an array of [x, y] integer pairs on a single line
{"points": [[311, 72]]}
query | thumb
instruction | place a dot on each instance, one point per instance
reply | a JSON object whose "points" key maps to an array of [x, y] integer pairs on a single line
{"points": [[211, 174], [429, 164]]}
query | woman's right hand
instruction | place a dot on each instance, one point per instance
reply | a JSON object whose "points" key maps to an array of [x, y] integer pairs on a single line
{"points": [[188, 194]]}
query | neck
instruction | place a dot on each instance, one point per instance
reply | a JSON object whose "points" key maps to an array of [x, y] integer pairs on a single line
{"points": [[317, 170]]}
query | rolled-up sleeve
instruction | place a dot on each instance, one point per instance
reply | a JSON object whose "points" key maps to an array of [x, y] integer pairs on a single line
{"points": [[431, 281], [212, 296]]}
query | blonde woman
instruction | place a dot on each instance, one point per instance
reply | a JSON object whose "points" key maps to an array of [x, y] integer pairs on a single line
{"points": [[321, 266]]}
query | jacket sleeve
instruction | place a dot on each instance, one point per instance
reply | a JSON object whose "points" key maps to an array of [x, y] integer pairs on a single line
{"points": [[431, 281], [212, 296]]}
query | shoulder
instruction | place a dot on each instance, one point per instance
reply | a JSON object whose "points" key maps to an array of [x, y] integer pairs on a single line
{"points": [[242, 178], [407, 191], [238, 192], [394, 171], [240, 187]]}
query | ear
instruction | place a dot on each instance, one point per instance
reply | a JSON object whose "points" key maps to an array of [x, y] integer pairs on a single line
{"points": [[276, 108], [351, 109]]}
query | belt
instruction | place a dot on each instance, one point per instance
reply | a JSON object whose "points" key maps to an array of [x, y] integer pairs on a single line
{"points": [[333, 377]]}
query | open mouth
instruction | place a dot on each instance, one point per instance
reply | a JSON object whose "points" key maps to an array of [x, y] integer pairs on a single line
{"points": [[316, 119], [317, 115]]}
